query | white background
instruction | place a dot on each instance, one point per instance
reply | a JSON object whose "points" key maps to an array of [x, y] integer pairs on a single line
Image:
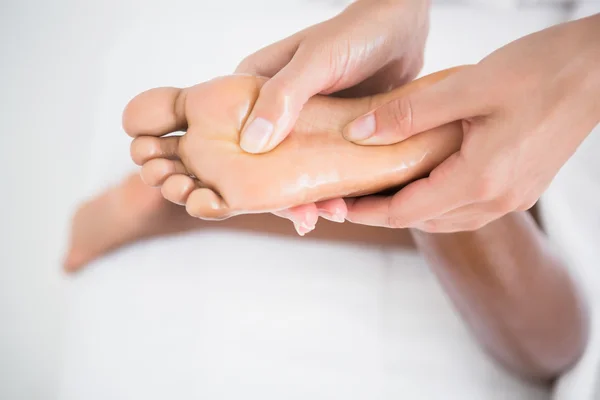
{"points": [[54, 58]]}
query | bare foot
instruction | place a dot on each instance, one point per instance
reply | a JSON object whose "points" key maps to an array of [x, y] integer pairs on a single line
{"points": [[128, 212], [206, 170]]}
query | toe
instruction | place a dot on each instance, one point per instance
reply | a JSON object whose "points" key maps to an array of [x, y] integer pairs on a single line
{"points": [[156, 171], [205, 204], [177, 188], [73, 261], [146, 148], [156, 112]]}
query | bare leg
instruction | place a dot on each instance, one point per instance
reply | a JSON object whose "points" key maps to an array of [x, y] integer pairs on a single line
{"points": [[133, 211], [128, 212], [513, 291]]}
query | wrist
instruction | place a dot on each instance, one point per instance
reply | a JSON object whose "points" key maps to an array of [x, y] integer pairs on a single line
{"points": [[578, 44], [593, 53], [589, 35], [396, 7], [400, 7], [405, 20]]}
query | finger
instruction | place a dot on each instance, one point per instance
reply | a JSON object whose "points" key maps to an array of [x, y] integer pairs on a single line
{"points": [[371, 210], [446, 188], [386, 79], [452, 98], [269, 60], [304, 217], [449, 224], [333, 210], [280, 101], [473, 211]]}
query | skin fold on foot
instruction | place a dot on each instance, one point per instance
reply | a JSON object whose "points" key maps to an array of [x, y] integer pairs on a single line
{"points": [[206, 170]]}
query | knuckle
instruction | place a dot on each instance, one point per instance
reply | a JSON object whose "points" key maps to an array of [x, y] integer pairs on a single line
{"points": [[431, 226], [473, 225], [527, 204], [514, 200], [399, 113], [338, 59], [492, 168], [509, 202], [486, 189], [396, 222], [276, 89], [247, 65], [322, 62]]}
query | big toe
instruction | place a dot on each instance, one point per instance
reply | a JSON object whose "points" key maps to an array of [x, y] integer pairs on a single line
{"points": [[73, 260], [156, 112], [155, 172], [146, 148]]}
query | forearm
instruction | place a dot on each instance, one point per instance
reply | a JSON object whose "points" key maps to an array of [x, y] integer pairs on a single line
{"points": [[424, 4], [514, 294], [592, 28], [580, 75], [414, 9]]}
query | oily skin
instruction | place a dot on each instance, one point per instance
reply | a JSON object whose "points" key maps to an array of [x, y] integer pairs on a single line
{"points": [[207, 171], [338, 57], [527, 107]]}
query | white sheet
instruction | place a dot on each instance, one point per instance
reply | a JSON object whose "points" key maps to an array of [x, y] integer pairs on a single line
{"points": [[183, 317]]}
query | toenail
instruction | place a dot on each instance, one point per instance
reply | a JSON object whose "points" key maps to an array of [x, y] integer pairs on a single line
{"points": [[361, 128], [256, 135]]}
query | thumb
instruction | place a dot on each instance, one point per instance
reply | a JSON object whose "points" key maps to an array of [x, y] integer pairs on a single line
{"points": [[280, 100], [425, 106], [270, 59]]}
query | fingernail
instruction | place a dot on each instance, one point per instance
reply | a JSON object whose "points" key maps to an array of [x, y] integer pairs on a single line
{"points": [[256, 135], [338, 216], [303, 228], [362, 128], [335, 217]]}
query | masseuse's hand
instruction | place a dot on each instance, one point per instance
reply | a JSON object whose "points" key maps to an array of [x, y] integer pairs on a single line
{"points": [[525, 109], [371, 47]]}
